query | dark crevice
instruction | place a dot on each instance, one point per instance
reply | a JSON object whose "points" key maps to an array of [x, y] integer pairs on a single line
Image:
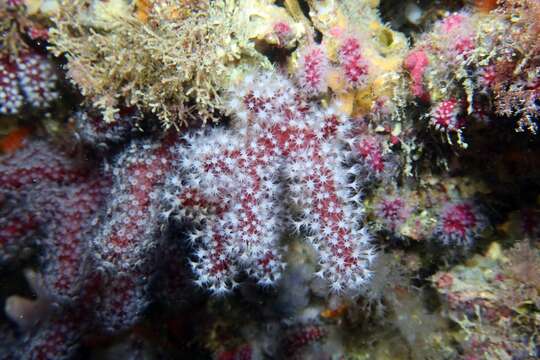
{"points": [[305, 8]]}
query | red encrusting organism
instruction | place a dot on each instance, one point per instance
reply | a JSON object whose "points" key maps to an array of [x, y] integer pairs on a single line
{"points": [[129, 236], [487, 77], [11, 98], [16, 231], [370, 152], [31, 175], [283, 32], [298, 339], [392, 212], [417, 63], [27, 78], [353, 65], [57, 338], [313, 70], [66, 217], [445, 116], [459, 224], [232, 188]]}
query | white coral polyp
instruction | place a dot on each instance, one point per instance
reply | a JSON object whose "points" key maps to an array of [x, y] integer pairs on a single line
{"points": [[285, 164]]}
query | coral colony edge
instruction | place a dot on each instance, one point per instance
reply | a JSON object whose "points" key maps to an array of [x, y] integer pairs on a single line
{"points": [[264, 179]]}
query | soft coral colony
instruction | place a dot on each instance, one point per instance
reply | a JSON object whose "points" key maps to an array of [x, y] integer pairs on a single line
{"points": [[320, 179]]}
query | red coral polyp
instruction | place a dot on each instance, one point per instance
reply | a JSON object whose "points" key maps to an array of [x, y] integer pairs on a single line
{"points": [[445, 115], [353, 65], [313, 69], [459, 224], [28, 78]]}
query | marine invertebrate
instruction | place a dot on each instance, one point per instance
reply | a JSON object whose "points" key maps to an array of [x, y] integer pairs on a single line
{"points": [[125, 246], [185, 52], [459, 223], [472, 60], [352, 63], [517, 88], [27, 75], [16, 229], [445, 115], [232, 182], [313, 70], [10, 96], [439, 66], [366, 54], [65, 216], [50, 331], [37, 79], [56, 338], [416, 63], [59, 198], [297, 339], [392, 212], [38, 161], [275, 193], [28, 78], [77, 211], [375, 163]]}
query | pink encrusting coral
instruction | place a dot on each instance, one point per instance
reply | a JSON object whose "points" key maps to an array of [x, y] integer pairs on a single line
{"points": [[27, 78], [445, 115], [126, 243], [312, 70], [37, 79], [392, 212], [37, 173], [66, 217], [370, 153], [38, 162], [417, 63], [56, 338], [459, 224], [16, 230], [234, 184], [297, 339], [11, 99], [354, 66]]}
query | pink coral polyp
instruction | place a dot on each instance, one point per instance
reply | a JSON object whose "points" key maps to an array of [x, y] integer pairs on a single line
{"points": [[313, 69], [459, 223], [352, 63], [444, 116]]}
